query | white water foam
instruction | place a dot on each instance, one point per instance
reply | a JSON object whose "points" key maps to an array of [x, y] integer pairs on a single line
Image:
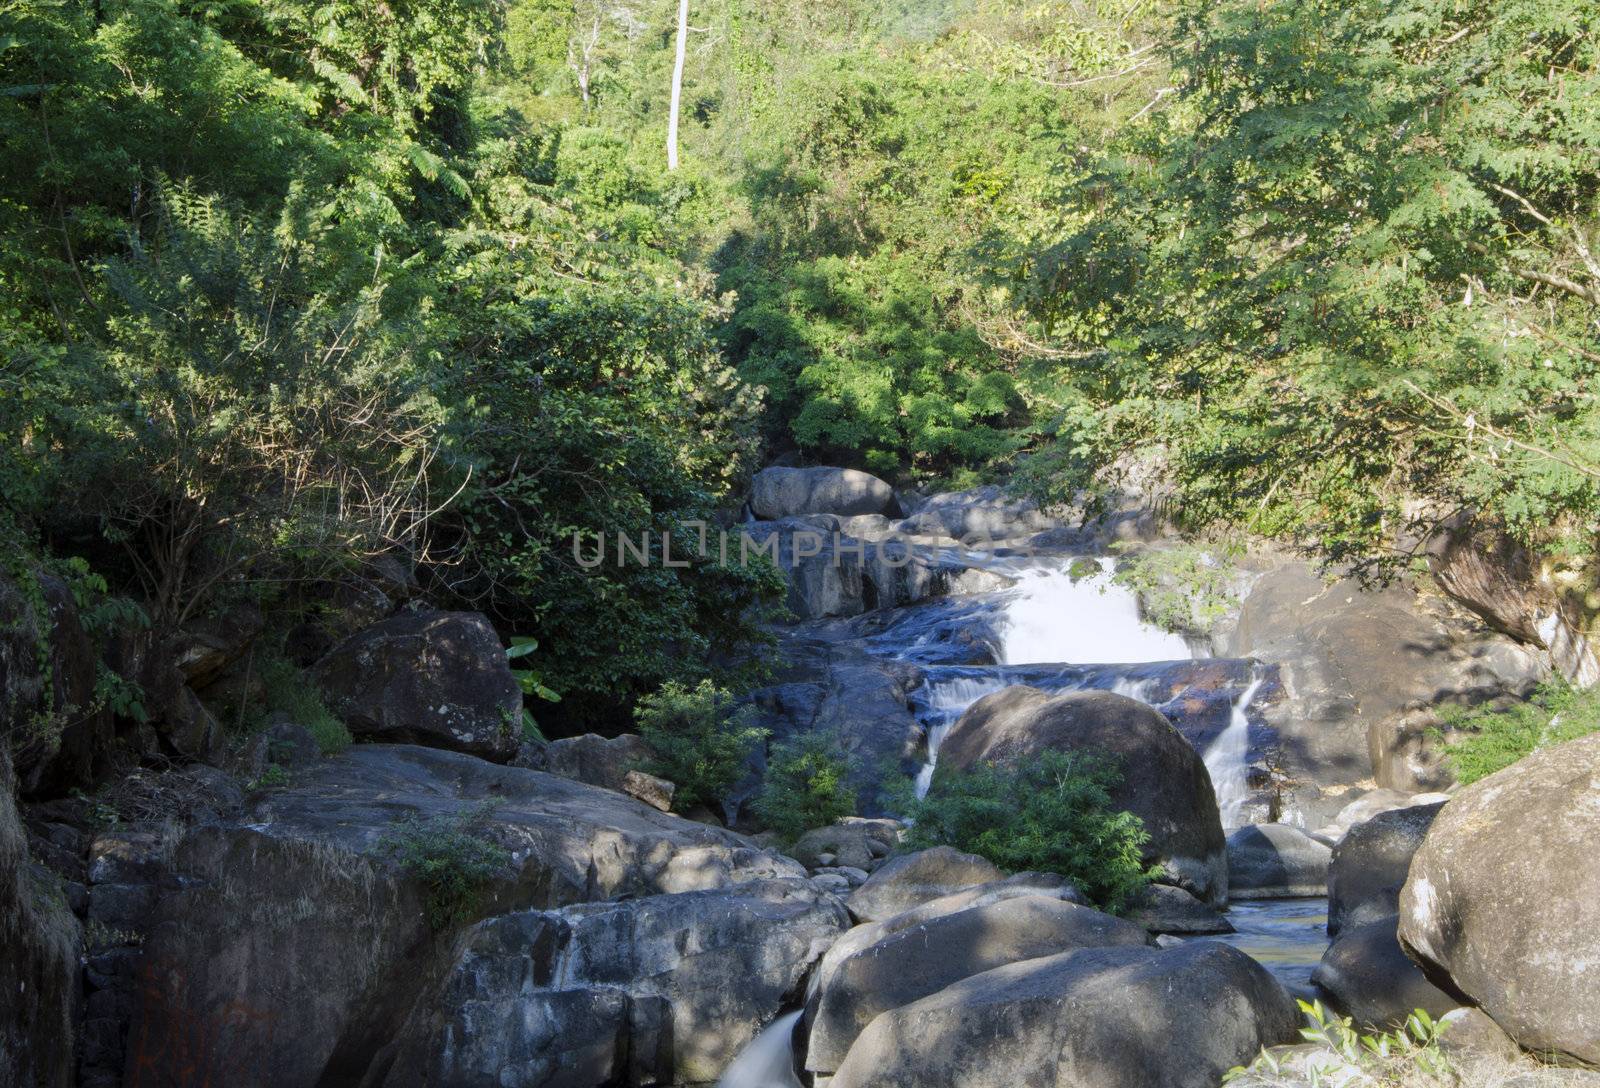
{"points": [[1228, 757], [1088, 621], [949, 700], [768, 1062]]}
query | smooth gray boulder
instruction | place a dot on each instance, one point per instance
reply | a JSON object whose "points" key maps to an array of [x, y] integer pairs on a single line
{"points": [[1164, 781], [1370, 864], [1369, 805], [662, 990], [434, 678], [599, 761], [1502, 904], [923, 959], [1367, 977], [792, 492], [853, 841], [1161, 908], [290, 946], [913, 879], [980, 514], [1276, 861], [1094, 1018]]}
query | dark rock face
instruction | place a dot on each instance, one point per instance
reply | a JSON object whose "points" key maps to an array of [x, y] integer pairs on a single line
{"points": [[1362, 669], [1370, 865], [661, 990], [39, 986], [435, 678], [290, 951], [922, 959], [1368, 978], [1275, 861], [913, 879], [1095, 1018], [1164, 780], [790, 492], [1503, 900]]}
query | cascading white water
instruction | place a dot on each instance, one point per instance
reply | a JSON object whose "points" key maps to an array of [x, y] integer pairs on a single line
{"points": [[1228, 757], [949, 699], [1086, 621], [768, 1062]]}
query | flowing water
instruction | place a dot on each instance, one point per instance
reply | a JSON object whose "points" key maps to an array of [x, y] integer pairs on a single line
{"points": [[1228, 758], [768, 1062], [1286, 936]]}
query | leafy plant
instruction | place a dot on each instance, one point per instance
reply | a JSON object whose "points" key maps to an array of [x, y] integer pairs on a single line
{"points": [[454, 857], [1055, 814], [1409, 1056], [1186, 589], [697, 740], [1491, 738], [289, 691], [530, 683], [806, 785]]}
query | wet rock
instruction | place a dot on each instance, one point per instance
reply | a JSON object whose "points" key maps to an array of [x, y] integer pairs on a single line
{"points": [[790, 492], [1370, 865], [1095, 1018], [434, 678], [1164, 781], [660, 990], [922, 959], [1502, 904], [1276, 861], [1368, 978], [913, 879]]}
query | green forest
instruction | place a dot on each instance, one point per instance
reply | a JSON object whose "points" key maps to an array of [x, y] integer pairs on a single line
{"points": [[288, 286]]}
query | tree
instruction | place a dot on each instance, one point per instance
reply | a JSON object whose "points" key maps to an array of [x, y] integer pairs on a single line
{"points": [[677, 84]]}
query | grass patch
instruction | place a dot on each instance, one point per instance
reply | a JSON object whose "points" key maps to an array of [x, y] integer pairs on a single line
{"points": [[1492, 738], [453, 857], [290, 691]]}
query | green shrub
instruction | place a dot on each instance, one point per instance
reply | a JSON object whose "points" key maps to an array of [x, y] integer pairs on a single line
{"points": [[288, 690], [1408, 1057], [697, 740], [1054, 815], [1186, 589], [805, 785], [1492, 739], [453, 857]]}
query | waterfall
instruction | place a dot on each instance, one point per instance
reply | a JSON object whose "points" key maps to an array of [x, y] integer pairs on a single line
{"points": [[1087, 620], [1228, 756], [768, 1062], [947, 701]]}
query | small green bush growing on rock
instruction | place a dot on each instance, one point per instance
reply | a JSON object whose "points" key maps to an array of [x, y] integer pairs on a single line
{"points": [[291, 692], [697, 740], [1184, 589], [1493, 739], [1053, 815], [806, 785], [452, 856]]}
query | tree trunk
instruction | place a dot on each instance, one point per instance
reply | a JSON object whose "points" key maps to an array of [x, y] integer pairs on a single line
{"points": [[677, 85]]}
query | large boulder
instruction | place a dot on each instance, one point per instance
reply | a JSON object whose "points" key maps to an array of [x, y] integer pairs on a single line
{"points": [[1364, 670], [599, 761], [1123, 1017], [853, 841], [434, 678], [913, 879], [1161, 908], [977, 516], [1164, 781], [290, 945], [1275, 861], [922, 959], [661, 990], [791, 492], [1370, 864], [1503, 900], [1367, 977], [39, 970], [1369, 805]]}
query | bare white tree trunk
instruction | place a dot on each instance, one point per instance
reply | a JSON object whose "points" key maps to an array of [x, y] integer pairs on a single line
{"points": [[677, 84]]}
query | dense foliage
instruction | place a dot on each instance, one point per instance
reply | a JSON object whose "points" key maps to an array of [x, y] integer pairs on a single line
{"points": [[698, 740], [1489, 738], [806, 785], [453, 857], [1054, 815]]}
